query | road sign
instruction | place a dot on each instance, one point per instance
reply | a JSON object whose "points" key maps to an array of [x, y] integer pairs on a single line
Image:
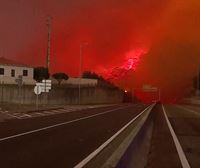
{"points": [[149, 88], [45, 85], [37, 90], [46, 81]]}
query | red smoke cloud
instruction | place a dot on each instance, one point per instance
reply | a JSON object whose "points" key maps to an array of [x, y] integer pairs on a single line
{"points": [[138, 42], [131, 61]]}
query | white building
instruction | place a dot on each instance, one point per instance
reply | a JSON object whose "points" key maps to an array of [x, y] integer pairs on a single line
{"points": [[10, 71]]}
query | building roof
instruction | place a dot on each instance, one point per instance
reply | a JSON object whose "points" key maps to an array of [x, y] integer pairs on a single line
{"points": [[8, 62]]}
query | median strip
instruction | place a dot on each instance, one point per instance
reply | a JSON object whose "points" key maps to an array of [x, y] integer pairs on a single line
{"points": [[105, 144]]}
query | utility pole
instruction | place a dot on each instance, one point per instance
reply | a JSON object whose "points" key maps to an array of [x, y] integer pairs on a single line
{"points": [[80, 71], [159, 94], [49, 20], [80, 74], [198, 89]]}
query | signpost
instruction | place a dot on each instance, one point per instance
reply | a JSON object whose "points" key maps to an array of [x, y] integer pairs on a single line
{"points": [[38, 91], [42, 87], [19, 82]]}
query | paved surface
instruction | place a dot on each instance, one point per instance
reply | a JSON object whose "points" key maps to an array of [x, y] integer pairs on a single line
{"points": [[186, 123], [62, 145], [163, 153], [5, 115]]}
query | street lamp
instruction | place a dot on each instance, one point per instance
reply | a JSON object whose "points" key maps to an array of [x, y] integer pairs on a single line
{"points": [[80, 70]]}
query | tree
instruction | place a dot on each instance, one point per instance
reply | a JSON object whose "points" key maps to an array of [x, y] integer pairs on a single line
{"points": [[92, 75], [101, 81], [60, 77], [41, 73]]}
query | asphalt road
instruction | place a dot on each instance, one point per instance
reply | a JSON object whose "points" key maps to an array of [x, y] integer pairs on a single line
{"points": [[186, 124], [65, 139], [163, 153]]}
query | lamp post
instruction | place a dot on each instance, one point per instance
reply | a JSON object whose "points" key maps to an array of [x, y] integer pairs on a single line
{"points": [[80, 71]]}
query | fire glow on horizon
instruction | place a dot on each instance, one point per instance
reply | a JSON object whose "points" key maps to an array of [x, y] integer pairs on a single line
{"points": [[131, 61]]}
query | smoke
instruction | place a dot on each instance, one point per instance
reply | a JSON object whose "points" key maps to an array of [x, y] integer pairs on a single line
{"points": [[167, 31]]}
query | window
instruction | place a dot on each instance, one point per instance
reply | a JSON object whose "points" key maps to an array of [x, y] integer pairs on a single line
{"points": [[12, 73], [1, 71], [25, 72]]}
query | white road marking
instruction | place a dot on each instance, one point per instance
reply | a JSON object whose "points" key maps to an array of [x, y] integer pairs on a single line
{"points": [[179, 149], [48, 112], [184, 108], [55, 111], [10, 115], [60, 124], [27, 115], [62, 110], [40, 114], [99, 149]]}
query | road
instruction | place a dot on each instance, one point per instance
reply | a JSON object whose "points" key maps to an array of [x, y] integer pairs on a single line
{"points": [[163, 151], [61, 140], [186, 124]]}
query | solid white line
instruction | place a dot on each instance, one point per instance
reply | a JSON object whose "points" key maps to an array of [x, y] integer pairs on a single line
{"points": [[60, 124], [179, 149], [184, 108], [99, 149]]}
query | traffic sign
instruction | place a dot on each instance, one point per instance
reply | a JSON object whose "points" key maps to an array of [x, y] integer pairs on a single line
{"points": [[45, 85], [149, 88], [37, 90]]}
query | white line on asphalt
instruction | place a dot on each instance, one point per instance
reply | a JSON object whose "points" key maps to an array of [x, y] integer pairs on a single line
{"points": [[179, 149], [10, 115], [27, 115], [99, 149], [184, 108], [48, 112], [55, 111], [60, 124], [62, 110]]}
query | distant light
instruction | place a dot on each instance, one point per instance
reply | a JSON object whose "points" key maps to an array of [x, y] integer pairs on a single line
{"points": [[125, 91]]}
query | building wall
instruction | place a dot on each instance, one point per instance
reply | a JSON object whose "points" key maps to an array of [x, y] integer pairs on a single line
{"points": [[8, 79], [60, 95]]}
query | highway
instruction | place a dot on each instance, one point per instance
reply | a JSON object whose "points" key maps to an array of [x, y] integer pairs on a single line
{"points": [[60, 140], [186, 124], [170, 134]]}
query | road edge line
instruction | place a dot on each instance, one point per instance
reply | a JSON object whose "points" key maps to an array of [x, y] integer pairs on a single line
{"points": [[181, 154]]}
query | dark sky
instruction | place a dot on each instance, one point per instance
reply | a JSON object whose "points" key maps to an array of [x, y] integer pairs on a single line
{"points": [[166, 31]]}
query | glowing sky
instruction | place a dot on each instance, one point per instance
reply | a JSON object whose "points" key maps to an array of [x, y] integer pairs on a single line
{"points": [[140, 41]]}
